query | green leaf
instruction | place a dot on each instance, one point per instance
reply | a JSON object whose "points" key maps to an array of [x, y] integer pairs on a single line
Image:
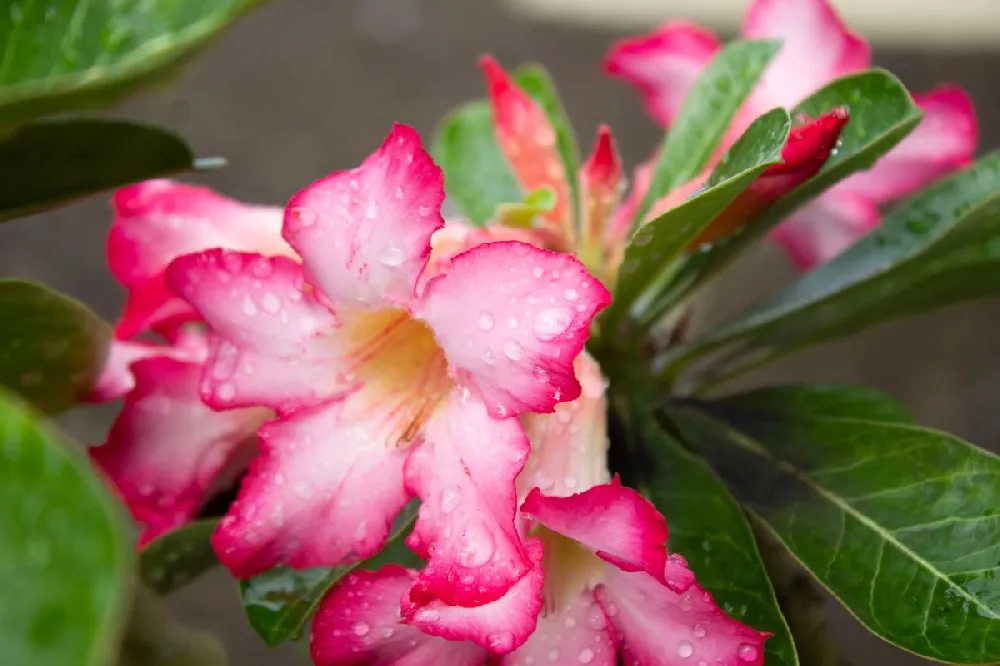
{"points": [[824, 400], [65, 560], [476, 174], [281, 601], [706, 115], [65, 54], [900, 523], [179, 556], [535, 80], [522, 215], [52, 347], [882, 114], [708, 528], [939, 247], [154, 638], [49, 163], [657, 245]]}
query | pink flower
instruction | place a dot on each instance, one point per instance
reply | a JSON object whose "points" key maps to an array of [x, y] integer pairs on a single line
{"points": [[167, 453], [388, 382], [817, 48], [604, 587], [527, 139]]}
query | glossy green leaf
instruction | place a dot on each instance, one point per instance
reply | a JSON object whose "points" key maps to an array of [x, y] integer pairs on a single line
{"points": [[49, 163], [535, 80], [937, 248], [900, 523], [882, 114], [65, 561], [52, 347], [67, 54], [154, 638], [706, 115], [476, 174], [179, 556], [707, 527], [281, 601], [840, 400], [657, 245]]}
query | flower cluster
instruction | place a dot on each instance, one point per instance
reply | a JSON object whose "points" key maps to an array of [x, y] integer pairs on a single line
{"points": [[351, 353]]}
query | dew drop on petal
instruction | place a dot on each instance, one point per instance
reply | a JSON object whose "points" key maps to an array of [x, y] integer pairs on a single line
{"points": [[424, 211], [685, 649], [570, 622], [538, 272], [399, 193], [361, 629], [748, 652], [226, 391], [488, 357], [427, 615], [699, 631], [485, 321], [371, 210], [270, 302], [586, 656], [596, 618], [249, 307], [552, 323], [512, 350], [392, 255], [571, 294], [541, 374], [477, 548], [451, 497], [553, 655]]}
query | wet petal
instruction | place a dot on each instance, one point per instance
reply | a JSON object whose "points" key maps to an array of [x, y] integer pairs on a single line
{"points": [[511, 319], [364, 234], [272, 339], [569, 447], [600, 187], [578, 632], [464, 474], [309, 499], [166, 450], [501, 625], [528, 140], [619, 524], [817, 47], [116, 377], [160, 220], [358, 624], [660, 627], [825, 227], [663, 65]]}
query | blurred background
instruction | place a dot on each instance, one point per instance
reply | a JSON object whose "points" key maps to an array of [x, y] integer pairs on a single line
{"points": [[300, 88]]}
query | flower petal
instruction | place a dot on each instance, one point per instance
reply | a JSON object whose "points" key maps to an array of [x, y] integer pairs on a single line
{"points": [[464, 474], [511, 319], [527, 140], [499, 626], [600, 188], [622, 526], [569, 447], [809, 146], [825, 227], [660, 627], [358, 624], [364, 234], [116, 377], [271, 342], [577, 632], [944, 140], [663, 65], [159, 220], [816, 48], [309, 498], [166, 450]]}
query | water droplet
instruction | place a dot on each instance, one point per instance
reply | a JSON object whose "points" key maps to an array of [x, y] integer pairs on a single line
{"points": [[392, 255], [552, 323], [512, 350], [612, 609], [538, 272], [501, 642], [270, 302], [571, 295], [541, 374], [699, 631], [553, 655], [488, 357], [249, 307], [226, 391], [570, 622], [642, 238], [371, 210], [485, 321], [232, 262], [399, 193], [451, 497], [512, 323], [586, 656], [361, 629], [424, 211], [478, 547], [685, 649], [596, 619], [748, 652]]}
